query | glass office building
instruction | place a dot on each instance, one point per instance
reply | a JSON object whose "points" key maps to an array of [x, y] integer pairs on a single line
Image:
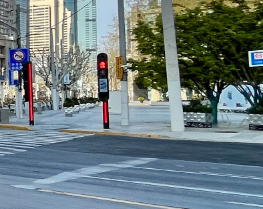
{"points": [[23, 20], [71, 5], [87, 33]]}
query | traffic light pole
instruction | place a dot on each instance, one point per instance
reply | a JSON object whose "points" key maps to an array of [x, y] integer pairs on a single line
{"points": [[124, 81], [172, 67], [106, 122]]}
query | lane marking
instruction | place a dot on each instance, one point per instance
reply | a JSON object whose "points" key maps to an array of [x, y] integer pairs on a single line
{"points": [[19, 143], [110, 199], [203, 173], [16, 146], [198, 189], [246, 204], [6, 153], [13, 149], [83, 172]]}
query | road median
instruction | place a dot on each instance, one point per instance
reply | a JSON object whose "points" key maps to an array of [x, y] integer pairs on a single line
{"points": [[15, 127], [109, 133]]}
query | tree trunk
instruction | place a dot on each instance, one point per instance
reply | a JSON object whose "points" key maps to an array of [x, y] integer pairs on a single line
{"points": [[214, 100], [256, 95]]}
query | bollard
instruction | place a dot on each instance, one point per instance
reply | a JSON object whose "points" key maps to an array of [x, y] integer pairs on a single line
{"points": [[39, 108], [4, 116]]}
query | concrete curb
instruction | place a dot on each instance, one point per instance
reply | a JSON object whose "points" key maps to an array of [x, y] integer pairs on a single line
{"points": [[107, 133], [15, 127]]}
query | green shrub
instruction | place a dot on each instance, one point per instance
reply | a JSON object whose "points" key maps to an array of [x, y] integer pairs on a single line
{"points": [[196, 106], [141, 99], [75, 101]]}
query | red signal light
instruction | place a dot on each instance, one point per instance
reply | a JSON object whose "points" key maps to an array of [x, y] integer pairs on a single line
{"points": [[102, 65]]}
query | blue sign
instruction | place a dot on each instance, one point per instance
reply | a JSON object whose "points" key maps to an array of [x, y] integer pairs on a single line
{"points": [[255, 58], [17, 56], [11, 78]]}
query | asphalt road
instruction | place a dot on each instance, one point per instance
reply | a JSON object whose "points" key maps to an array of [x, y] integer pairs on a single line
{"points": [[122, 172]]}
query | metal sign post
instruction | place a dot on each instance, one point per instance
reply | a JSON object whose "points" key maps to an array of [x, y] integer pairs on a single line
{"points": [[17, 57]]}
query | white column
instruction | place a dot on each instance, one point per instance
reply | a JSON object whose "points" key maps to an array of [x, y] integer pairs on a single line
{"points": [[17, 103], [172, 67], [124, 82], [2, 94], [20, 106]]}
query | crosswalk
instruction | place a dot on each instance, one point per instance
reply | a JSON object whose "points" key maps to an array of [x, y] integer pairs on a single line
{"points": [[12, 142]]}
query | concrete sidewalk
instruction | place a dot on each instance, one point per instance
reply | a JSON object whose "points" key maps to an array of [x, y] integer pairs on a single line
{"points": [[145, 121]]}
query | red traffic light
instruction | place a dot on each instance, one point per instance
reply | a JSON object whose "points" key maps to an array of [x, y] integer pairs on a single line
{"points": [[102, 65]]}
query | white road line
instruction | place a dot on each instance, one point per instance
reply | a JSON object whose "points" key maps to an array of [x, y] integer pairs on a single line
{"points": [[198, 189], [19, 143], [6, 153], [202, 173], [246, 204], [13, 149], [17, 146], [83, 172]]}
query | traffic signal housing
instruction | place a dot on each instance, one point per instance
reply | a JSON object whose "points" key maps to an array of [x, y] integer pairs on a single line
{"points": [[103, 81]]}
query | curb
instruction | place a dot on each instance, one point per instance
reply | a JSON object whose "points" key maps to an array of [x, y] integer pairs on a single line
{"points": [[113, 133], [15, 127]]}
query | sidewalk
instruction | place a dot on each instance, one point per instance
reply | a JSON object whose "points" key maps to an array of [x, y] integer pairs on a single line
{"points": [[145, 121]]}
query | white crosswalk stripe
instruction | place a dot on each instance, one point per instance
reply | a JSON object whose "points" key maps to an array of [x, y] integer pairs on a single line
{"points": [[12, 142]]}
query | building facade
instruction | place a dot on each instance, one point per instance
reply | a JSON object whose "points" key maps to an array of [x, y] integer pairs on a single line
{"points": [[8, 16], [72, 6], [87, 34], [42, 18], [23, 20]]}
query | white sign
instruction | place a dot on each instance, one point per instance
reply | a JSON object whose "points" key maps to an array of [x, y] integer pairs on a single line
{"points": [[103, 85], [19, 56], [66, 79], [255, 58], [258, 55], [15, 75]]}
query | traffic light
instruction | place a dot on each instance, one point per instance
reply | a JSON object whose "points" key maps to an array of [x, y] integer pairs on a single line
{"points": [[28, 87], [103, 84]]}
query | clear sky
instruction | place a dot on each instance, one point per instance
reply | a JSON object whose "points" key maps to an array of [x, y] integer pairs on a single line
{"points": [[106, 10]]}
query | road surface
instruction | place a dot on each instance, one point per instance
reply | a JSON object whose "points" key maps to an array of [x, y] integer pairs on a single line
{"points": [[46, 170]]}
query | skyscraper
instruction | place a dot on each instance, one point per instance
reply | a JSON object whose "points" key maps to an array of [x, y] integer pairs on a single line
{"points": [[23, 20], [42, 16], [8, 16], [71, 5], [87, 33]]}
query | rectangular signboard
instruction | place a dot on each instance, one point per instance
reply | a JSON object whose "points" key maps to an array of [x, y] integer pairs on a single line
{"points": [[66, 79], [12, 81], [103, 85], [255, 58], [119, 70], [17, 56]]}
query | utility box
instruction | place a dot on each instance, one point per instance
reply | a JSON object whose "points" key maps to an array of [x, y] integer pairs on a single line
{"points": [[115, 102], [4, 116]]}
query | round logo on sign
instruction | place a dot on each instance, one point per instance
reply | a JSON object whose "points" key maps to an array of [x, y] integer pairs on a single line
{"points": [[258, 55], [19, 56]]}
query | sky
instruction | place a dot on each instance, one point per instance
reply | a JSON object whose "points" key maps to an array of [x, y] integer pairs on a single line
{"points": [[106, 10]]}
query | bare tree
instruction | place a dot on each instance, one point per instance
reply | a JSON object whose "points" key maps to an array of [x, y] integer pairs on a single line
{"points": [[74, 63], [110, 44], [41, 59]]}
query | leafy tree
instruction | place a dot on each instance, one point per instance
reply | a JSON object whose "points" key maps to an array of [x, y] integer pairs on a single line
{"points": [[199, 67], [213, 41]]}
